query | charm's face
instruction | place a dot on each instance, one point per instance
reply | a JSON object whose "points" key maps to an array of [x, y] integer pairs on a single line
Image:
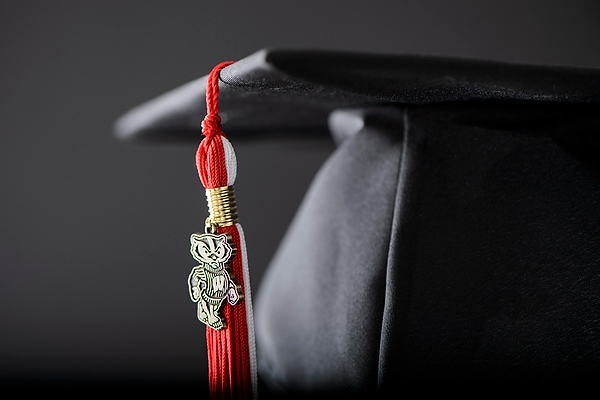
{"points": [[210, 283], [209, 248]]}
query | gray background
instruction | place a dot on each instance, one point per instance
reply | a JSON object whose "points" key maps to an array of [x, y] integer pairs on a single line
{"points": [[94, 233]]}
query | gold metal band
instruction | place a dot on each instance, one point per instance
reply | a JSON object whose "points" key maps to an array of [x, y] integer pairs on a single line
{"points": [[222, 207]]}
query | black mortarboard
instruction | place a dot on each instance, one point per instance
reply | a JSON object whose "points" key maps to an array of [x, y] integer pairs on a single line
{"points": [[453, 236]]}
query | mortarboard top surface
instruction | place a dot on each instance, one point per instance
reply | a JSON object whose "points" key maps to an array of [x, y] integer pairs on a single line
{"points": [[276, 90]]}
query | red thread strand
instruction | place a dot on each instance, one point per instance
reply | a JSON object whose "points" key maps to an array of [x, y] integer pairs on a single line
{"points": [[210, 162]]}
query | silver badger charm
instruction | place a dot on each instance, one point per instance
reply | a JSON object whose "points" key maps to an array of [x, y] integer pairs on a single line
{"points": [[211, 282]]}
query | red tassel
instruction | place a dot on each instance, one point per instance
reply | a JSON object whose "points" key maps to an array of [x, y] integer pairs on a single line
{"points": [[231, 351]]}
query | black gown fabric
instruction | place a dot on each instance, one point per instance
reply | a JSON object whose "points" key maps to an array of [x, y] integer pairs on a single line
{"points": [[452, 237]]}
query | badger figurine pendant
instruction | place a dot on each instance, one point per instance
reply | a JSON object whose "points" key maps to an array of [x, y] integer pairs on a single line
{"points": [[211, 282]]}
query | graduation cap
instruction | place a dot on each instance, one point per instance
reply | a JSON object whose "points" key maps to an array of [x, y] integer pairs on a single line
{"points": [[454, 234]]}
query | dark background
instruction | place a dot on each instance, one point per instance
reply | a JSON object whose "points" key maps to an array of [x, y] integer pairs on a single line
{"points": [[94, 233]]}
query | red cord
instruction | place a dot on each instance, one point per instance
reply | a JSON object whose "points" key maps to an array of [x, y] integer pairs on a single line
{"points": [[210, 156]]}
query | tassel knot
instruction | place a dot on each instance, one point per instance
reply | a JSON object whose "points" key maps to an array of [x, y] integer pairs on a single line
{"points": [[211, 125]]}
